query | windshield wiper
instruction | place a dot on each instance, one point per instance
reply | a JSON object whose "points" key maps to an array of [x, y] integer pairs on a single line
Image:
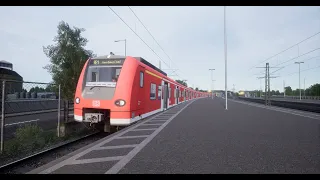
{"points": [[93, 87]]}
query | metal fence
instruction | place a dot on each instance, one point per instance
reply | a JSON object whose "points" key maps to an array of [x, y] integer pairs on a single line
{"points": [[31, 109]]}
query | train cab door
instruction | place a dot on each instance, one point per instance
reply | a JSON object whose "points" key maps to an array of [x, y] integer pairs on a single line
{"points": [[139, 97]]}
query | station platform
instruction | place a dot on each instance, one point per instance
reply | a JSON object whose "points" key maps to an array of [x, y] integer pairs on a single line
{"points": [[201, 137]]}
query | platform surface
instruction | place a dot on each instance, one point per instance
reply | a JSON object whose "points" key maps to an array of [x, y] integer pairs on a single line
{"points": [[202, 137]]}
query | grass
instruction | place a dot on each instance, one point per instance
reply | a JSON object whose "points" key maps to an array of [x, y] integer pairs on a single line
{"points": [[30, 139]]}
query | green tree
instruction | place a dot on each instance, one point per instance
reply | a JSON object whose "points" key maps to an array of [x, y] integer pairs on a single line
{"points": [[288, 91], [313, 90], [67, 57], [182, 83], [197, 89], [37, 89]]}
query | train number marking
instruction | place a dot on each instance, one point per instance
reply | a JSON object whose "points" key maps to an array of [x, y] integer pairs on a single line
{"points": [[96, 103]]}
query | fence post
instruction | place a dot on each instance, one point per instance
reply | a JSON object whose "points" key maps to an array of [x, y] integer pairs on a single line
{"points": [[2, 114], [59, 111]]}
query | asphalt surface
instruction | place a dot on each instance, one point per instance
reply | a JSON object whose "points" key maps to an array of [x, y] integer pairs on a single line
{"points": [[206, 138], [203, 137], [46, 121]]}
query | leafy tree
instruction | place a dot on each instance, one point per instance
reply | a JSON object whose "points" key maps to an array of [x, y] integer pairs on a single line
{"points": [[67, 58], [37, 89], [182, 83], [313, 90], [197, 89], [288, 91]]}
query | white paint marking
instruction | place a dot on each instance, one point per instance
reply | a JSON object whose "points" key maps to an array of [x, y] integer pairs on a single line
{"points": [[150, 129], [151, 124], [117, 147], [159, 120], [132, 137], [119, 165], [76, 156], [276, 109], [22, 122], [94, 160]]}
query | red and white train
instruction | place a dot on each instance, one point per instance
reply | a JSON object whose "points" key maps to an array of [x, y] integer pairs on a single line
{"points": [[119, 90]]}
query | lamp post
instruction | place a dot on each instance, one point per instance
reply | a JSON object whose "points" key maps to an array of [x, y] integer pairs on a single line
{"points": [[225, 56], [213, 88], [211, 78], [299, 76], [125, 46]]}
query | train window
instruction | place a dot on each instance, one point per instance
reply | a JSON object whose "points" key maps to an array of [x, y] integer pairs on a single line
{"points": [[94, 77], [153, 91], [141, 79], [169, 92], [159, 92], [102, 74]]}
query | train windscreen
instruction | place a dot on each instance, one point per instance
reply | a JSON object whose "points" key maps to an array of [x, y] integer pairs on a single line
{"points": [[103, 76], [103, 72]]}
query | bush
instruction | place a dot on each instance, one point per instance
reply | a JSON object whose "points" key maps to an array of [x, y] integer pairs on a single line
{"points": [[28, 139]]}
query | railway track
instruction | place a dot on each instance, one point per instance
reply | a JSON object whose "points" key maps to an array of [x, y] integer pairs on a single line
{"points": [[28, 163]]}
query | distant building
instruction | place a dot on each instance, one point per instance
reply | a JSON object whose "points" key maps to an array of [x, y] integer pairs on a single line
{"points": [[221, 93], [14, 80], [247, 93], [6, 65]]}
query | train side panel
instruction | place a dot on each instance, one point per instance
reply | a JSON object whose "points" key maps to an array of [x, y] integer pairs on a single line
{"points": [[152, 84]]}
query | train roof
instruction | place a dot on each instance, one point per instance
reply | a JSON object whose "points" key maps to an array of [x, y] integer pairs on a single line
{"points": [[110, 57], [137, 58], [150, 65]]}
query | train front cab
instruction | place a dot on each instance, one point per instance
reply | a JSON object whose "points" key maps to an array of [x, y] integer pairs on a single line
{"points": [[104, 91]]}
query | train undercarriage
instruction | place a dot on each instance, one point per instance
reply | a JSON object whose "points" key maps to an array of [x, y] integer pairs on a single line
{"points": [[99, 119]]}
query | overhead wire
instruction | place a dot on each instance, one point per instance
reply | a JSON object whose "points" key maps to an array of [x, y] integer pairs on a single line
{"points": [[138, 36], [292, 59], [292, 64], [153, 38], [287, 49]]}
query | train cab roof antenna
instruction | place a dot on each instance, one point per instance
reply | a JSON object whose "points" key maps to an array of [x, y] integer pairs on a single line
{"points": [[111, 53]]}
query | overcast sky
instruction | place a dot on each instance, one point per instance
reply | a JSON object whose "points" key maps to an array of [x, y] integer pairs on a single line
{"points": [[191, 36]]}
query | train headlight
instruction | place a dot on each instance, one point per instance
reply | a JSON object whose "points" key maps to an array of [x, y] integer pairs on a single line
{"points": [[77, 100], [120, 102]]}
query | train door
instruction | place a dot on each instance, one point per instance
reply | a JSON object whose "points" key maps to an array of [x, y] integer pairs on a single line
{"points": [[177, 96], [139, 98], [165, 95]]}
